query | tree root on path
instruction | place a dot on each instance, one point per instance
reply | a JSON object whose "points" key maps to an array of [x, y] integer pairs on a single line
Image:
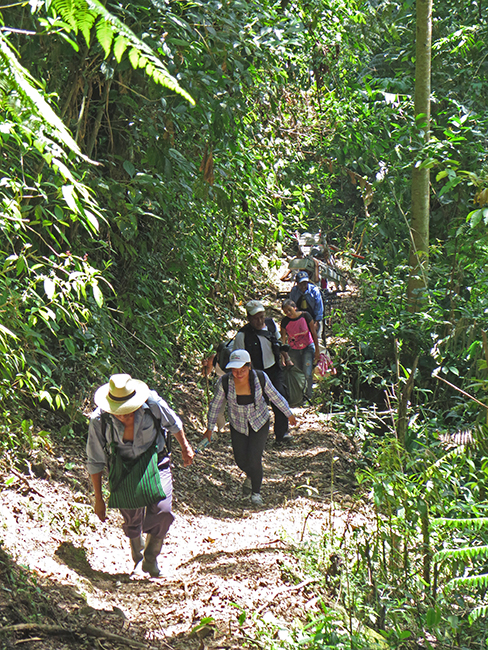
{"points": [[87, 630]]}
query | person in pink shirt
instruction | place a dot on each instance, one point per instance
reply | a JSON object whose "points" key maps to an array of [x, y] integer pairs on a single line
{"points": [[297, 329]]}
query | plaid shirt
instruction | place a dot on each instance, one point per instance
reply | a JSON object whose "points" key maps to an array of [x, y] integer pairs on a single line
{"points": [[241, 416]]}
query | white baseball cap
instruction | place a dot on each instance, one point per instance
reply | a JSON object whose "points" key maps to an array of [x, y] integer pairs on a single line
{"points": [[254, 307], [238, 358]]}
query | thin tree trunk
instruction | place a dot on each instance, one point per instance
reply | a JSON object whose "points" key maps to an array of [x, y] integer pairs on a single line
{"points": [[419, 250], [98, 119]]}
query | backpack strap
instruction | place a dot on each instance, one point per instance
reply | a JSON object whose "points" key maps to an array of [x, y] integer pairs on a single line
{"points": [[262, 381], [260, 376], [271, 325], [109, 446], [105, 418], [159, 427], [225, 384]]}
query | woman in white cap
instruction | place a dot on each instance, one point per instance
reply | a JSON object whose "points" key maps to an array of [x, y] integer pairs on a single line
{"points": [[130, 432], [247, 392]]}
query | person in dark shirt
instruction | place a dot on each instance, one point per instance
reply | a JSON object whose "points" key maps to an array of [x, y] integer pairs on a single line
{"points": [[261, 338]]}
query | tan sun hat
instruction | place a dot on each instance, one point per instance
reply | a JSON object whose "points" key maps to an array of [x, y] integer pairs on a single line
{"points": [[122, 395]]}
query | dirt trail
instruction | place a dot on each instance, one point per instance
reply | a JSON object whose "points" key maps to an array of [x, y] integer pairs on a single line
{"points": [[219, 551], [221, 558]]}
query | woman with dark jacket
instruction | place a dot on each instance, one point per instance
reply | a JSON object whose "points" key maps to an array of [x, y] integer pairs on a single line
{"points": [[246, 393]]}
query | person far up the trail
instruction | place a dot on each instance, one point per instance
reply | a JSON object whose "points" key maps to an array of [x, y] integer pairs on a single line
{"points": [[247, 392], [130, 432], [307, 297], [261, 338]]}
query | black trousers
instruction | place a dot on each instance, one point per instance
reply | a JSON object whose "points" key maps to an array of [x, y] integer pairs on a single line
{"points": [[248, 453], [281, 420]]}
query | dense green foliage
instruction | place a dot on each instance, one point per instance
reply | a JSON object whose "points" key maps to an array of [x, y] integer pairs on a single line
{"points": [[152, 151]]}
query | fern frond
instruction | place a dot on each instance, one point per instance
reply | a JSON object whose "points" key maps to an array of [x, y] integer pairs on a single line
{"points": [[471, 522], [77, 14], [467, 553], [151, 62], [82, 14], [478, 582], [120, 46], [67, 10], [478, 612], [105, 35]]}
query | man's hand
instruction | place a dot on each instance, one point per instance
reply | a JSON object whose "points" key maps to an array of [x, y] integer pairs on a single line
{"points": [[187, 455], [187, 452], [292, 421], [208, 365], [99, 502], [100, 510]]}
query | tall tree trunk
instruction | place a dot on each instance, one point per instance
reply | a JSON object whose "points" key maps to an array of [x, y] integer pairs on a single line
{"points": [[419, 247]]}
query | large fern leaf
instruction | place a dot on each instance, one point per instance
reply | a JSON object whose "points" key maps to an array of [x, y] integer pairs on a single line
{"points": [[81, 14], [478, 612], [76, 14], [466, 553], [105, 35], [464, 523], [152, 64], [478, 582]]}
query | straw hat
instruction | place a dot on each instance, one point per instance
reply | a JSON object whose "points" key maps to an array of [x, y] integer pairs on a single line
{"points": [[122, 395]]}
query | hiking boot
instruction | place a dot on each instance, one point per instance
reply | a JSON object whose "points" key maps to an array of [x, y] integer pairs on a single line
{"points": [[256, 499], [151, 552], [246, 487], [287, 438], [136, 548]]}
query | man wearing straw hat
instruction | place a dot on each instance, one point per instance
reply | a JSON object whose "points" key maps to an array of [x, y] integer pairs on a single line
{"points": [[130, 432]]}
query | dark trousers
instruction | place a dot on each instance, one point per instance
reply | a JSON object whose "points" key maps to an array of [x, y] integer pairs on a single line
{"points": [[156, 518], [248, 453], [281, 420]]}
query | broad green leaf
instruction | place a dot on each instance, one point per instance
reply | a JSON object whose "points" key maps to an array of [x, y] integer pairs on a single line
{"points": [[134, 57], [129, 168], [49, 288], [69, 196], [70, 346], [98, 295]]}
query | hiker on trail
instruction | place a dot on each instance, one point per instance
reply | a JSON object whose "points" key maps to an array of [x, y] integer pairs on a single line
{"points": [[260, 337], [130, 432], [212, 365], [306, 296], [246, 391], [298, 330]]}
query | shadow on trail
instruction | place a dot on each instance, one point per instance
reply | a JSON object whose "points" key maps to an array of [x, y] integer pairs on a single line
{"points": [[41, 610], [75, 558]]}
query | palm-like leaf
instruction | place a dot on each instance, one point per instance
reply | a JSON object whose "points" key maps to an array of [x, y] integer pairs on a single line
{"points": [[24, 84]]}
